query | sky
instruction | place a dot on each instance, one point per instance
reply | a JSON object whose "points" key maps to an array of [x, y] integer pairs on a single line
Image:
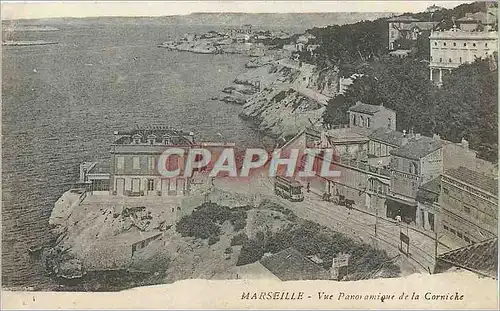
{"points": [[48, 9]]}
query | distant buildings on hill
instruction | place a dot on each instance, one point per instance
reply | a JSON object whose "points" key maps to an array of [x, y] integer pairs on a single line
{"points": [[452, 48], [405, 30], [473, 36]]}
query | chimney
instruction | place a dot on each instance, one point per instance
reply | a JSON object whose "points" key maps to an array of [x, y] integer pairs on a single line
{"points": [[136, 139], [436, 137], [465, 144], [411, 132]]}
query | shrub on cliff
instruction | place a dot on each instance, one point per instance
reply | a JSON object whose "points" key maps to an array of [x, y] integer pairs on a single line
{"points": [[206, 220], [310, 238], [239, 239], [252, 250]]}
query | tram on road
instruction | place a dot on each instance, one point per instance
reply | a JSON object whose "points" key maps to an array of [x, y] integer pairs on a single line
{"points": [[288, 188]]}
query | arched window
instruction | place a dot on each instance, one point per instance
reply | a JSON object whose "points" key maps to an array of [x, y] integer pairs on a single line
{"points": [[486, 45], [449, 60], [368, 122], [440, 59], [435, 43], [413, 168], [444, 43], [454, 44], [473, 44], [361, 121], [465, 44], [353, 119]]}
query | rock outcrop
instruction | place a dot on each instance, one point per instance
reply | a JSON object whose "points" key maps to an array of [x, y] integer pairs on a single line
{"points": [[284, 96]]}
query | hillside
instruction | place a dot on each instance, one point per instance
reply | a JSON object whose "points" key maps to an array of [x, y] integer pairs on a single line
{"points": [[260, 20]]}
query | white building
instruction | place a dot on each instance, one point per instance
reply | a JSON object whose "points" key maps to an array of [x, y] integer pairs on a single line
{"points": [[452, 48]]}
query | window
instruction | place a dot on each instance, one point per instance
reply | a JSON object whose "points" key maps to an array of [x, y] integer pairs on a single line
{"points": [[151, 185], [460, 60], [486, 45], [467, 210], [361, 121], [440, 59], [454, 44], [435, 43], [136, 163], [459, 235], [413, 167], [444, 43], [473, 44], [353, 119], [466, 238], [389, 122], [151, 163], [368, 122], [465, 44], [449, 60], [453, 231], [445, 190], [446, 227], [120, 161]]}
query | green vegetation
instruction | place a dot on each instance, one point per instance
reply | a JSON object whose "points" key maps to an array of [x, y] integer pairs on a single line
{"points": [[206, 220], [464, 107], [239, 239], [282, 95], [367, 41], [313, 239]]}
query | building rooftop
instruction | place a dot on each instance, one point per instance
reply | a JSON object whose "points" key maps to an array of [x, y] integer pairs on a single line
{"points": [[344, 135], [429, 192], [481, 257], [290, 264], [476, 179], [417, 147], [366, 108], [387, 136], [403, 18], [419, 25], [464, 35], [482, 17], [157, 134]]}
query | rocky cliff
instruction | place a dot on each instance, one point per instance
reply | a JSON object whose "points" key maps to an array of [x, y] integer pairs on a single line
{"points": [[282, 96]]}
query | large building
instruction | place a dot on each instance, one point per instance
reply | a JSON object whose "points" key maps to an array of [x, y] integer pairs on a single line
{"points": [[416, 162], [469, 205], [134, 157], [452, 48], [404, 31], [386, 171], [479, 21]]}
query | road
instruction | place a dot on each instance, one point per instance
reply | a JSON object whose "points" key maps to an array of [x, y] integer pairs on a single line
{"points": [[356, 223]]}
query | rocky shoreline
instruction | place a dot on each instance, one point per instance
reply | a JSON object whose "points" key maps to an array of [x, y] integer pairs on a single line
{"points": [[278, 94], [282, 96]]}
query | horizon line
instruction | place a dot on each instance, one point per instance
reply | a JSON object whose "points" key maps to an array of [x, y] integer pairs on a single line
{"points": [[192, 13]]}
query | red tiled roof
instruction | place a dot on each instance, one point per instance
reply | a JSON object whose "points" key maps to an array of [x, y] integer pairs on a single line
{"points": [[290, 264], [474, 178], [481, 257]]}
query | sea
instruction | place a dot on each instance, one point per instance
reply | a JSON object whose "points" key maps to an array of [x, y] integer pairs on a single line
{"points": [[61, 104]]}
